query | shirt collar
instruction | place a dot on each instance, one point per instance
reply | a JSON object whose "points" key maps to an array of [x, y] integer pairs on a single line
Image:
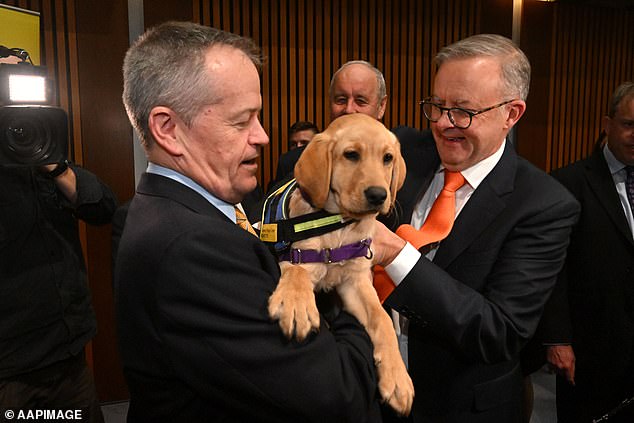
{"points": [[226, 208], [613, 163]]}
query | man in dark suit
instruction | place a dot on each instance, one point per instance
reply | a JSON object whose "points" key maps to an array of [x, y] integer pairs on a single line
{"points": [[192, 286], [475, 298], [299, 135], [588, 324]]}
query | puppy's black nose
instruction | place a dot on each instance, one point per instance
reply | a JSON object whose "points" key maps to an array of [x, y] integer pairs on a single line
{"points": [[375, 195]]}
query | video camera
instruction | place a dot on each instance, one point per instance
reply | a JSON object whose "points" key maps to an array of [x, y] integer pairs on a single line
{"points": [[32, 131]]}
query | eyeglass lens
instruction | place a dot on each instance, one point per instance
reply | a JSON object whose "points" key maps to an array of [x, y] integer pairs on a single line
{"points": [[458, 117]]}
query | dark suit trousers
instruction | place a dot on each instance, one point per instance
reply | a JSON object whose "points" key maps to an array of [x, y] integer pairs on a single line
{"points": [[575, 405], [65, 385]]}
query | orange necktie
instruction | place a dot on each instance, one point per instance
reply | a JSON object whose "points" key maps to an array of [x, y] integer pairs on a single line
{"points": [[243, 222], [436, 227]]}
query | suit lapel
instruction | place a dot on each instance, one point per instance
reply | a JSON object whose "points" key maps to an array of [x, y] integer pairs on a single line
{"points": [[485, 204], [599, 178]]}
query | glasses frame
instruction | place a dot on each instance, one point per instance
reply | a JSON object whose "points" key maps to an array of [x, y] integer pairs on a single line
{"points": [[470, 113]]}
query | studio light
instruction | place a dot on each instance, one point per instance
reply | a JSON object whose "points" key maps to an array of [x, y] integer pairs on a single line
{"points": [[23, 84]]}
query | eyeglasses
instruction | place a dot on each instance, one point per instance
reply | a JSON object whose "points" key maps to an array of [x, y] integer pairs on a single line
{"points": [[459, 117]]}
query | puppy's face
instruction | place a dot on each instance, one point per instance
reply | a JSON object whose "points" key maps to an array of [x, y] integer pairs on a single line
{"points": [[354, 167]]}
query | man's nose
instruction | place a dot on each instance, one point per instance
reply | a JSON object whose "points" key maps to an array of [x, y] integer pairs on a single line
{"points": [[351, 107], [444, 121], [259, 135]]}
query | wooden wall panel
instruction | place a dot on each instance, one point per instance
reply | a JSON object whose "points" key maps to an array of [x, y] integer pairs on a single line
{"points": [[100, 39], [305, 42], [593, 52]]}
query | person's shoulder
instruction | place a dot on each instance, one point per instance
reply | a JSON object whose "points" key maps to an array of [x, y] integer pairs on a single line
{"points": [[415, 144], [574, 169], [406, 133], [535, 182], [291, 156]]}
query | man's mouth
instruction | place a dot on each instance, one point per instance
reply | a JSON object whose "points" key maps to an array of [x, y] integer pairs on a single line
{"points": [[453, 139]]}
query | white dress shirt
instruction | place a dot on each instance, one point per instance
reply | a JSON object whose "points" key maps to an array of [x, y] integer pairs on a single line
{"points": [[619, 175], [407, 258]]}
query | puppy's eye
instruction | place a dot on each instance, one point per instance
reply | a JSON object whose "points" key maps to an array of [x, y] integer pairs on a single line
{"points": [[388, 158], [353, 156]]}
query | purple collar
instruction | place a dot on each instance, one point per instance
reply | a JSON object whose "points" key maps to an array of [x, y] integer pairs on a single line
{"points": [[329, 255]]}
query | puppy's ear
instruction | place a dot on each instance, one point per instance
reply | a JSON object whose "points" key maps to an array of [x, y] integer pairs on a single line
{"points": [[313, 169], [398, 173]]}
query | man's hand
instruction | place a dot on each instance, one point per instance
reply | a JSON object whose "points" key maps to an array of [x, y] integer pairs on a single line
{"points": [[385, 245], [561, 359]]}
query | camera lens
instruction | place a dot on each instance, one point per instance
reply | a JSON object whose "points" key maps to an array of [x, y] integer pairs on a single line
{"points": [[32, 135], [28, 142]]}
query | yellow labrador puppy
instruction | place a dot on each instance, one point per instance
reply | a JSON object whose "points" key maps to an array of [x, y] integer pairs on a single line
{"points": [[354, 168]]}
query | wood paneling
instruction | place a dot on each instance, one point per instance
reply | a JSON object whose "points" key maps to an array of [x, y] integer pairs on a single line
{"points": [[305, 42], [100, 30], [590, 51]]}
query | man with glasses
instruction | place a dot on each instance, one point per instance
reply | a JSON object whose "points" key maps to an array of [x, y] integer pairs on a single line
{"points": [[474, 296]]}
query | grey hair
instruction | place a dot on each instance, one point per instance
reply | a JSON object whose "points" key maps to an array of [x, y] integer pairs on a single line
{"points": [[380, 80], [516, 69], [624, 90], [166, 67]]}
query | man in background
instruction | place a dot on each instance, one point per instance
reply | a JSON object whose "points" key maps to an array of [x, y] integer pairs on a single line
{"points": [[588, 324], [356, 87], [300, 133], [45, 302]]}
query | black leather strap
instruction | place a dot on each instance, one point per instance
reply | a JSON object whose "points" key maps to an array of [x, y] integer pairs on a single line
{"points": [[61, 168]]}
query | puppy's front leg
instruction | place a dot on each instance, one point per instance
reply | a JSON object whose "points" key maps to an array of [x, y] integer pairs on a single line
{"points": [[293, 302], [396, 387]]}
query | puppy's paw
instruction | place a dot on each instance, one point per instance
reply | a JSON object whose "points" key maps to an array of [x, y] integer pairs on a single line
{"points": [[395, 385], [294, 306]]}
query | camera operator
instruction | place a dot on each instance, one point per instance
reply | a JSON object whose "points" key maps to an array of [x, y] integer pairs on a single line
{"points": [[46, 316], [46, 313]]}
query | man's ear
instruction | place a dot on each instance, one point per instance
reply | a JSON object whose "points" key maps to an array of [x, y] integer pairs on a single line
{"points": [[382, 105], [515, 111], [163, 123], [606, 121]]}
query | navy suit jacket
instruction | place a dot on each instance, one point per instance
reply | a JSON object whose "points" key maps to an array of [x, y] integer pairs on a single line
{"points": [[196, 340], [593, 304], [478, 302]]}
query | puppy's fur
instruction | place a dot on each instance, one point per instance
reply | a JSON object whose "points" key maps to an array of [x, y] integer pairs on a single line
{"points": [[353, 168]]}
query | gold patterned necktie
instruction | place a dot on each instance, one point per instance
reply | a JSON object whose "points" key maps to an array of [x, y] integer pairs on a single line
{"points": [[243, 222]]}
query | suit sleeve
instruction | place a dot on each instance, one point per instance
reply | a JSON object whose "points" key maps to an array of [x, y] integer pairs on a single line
{"points": [[214, 324], [488, 303], [555, 326], [96, 202]]}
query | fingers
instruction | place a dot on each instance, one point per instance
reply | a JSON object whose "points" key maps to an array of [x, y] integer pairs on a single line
{"points": [[561, 359]]}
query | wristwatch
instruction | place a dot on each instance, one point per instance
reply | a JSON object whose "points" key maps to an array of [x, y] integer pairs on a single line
{"points": [[61, 168]]}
